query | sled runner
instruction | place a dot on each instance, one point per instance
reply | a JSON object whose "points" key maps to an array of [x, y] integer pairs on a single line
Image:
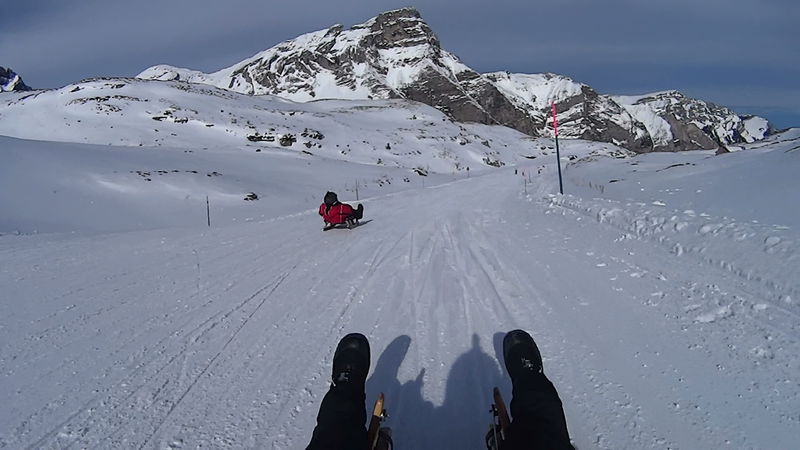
{"points": [[500, 422], [379, 438]]}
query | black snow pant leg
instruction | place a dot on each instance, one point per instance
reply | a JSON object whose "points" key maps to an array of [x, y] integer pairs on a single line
{"points": [[537, 418], [340, 422]]}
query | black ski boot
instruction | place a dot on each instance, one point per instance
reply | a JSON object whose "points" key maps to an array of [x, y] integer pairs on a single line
{"points": [[351, 363], [522, 357], [341, 417], [535, 406]]}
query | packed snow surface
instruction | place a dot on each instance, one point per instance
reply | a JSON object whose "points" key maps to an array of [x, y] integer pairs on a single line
{"points": [[662, 291]]}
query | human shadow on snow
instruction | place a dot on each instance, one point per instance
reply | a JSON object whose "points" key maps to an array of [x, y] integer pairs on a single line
{"points": [[462, 420]]}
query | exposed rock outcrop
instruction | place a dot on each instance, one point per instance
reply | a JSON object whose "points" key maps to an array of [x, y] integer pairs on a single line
{"points": [[10, 81]]}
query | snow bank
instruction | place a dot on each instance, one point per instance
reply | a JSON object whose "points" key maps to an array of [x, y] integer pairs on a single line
{"points": [[769, 255]]}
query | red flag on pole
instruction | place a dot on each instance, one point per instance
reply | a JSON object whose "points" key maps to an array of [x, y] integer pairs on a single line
{"points": [[555, 120]]}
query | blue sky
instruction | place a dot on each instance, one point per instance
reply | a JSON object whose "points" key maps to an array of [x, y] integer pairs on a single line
{"points": [[737, 53]]}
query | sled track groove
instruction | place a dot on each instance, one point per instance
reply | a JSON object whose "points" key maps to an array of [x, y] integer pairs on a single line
{"points": [[491, 274], [272, 287], [286, 417], [139, 373]]}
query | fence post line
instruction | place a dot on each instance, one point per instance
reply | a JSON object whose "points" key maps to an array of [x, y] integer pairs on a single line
{"points": [[208, 212]]}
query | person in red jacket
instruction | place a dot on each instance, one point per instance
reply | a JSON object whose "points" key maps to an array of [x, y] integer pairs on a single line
{"points": [[334, 212]]}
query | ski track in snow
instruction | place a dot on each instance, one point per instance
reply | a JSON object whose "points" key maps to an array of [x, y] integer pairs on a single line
{"points": [[223, 338]]}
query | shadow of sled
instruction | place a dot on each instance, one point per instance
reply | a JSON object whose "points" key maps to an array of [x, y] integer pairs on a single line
{"points": [[462, 418]]}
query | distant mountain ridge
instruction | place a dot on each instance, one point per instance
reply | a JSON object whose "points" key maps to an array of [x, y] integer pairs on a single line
{"points": [[397, 55], [10, 81], [675, 120]]}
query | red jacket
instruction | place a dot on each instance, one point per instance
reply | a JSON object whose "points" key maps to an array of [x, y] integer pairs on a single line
{"points": [[337, 213]]}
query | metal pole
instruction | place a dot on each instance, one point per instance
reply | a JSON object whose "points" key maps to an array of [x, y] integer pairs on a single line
{"points": [[558, 154], [208, 212]]}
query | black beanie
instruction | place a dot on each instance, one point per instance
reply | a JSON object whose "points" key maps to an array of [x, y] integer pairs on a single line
{"points": [[330, 198]]}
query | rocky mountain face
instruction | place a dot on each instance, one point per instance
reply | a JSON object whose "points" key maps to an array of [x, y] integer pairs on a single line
{"points": [[394, 55], [397, 55], [582, 111], [677, 122], [10, 81]]}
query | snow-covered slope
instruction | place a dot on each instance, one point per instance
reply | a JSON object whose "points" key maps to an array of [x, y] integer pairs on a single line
{"points": [[536, 91], [132, 112], [758, 185], [197, 141], [658, 331], [57, 187]]}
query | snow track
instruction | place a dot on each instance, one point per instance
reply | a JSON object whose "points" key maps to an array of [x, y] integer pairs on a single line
{"points": [[223, 338]]}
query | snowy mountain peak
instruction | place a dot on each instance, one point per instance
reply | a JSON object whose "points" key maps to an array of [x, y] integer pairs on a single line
{"points": [[393, 55], [397, 55], [10, 81], [374, 59]]}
